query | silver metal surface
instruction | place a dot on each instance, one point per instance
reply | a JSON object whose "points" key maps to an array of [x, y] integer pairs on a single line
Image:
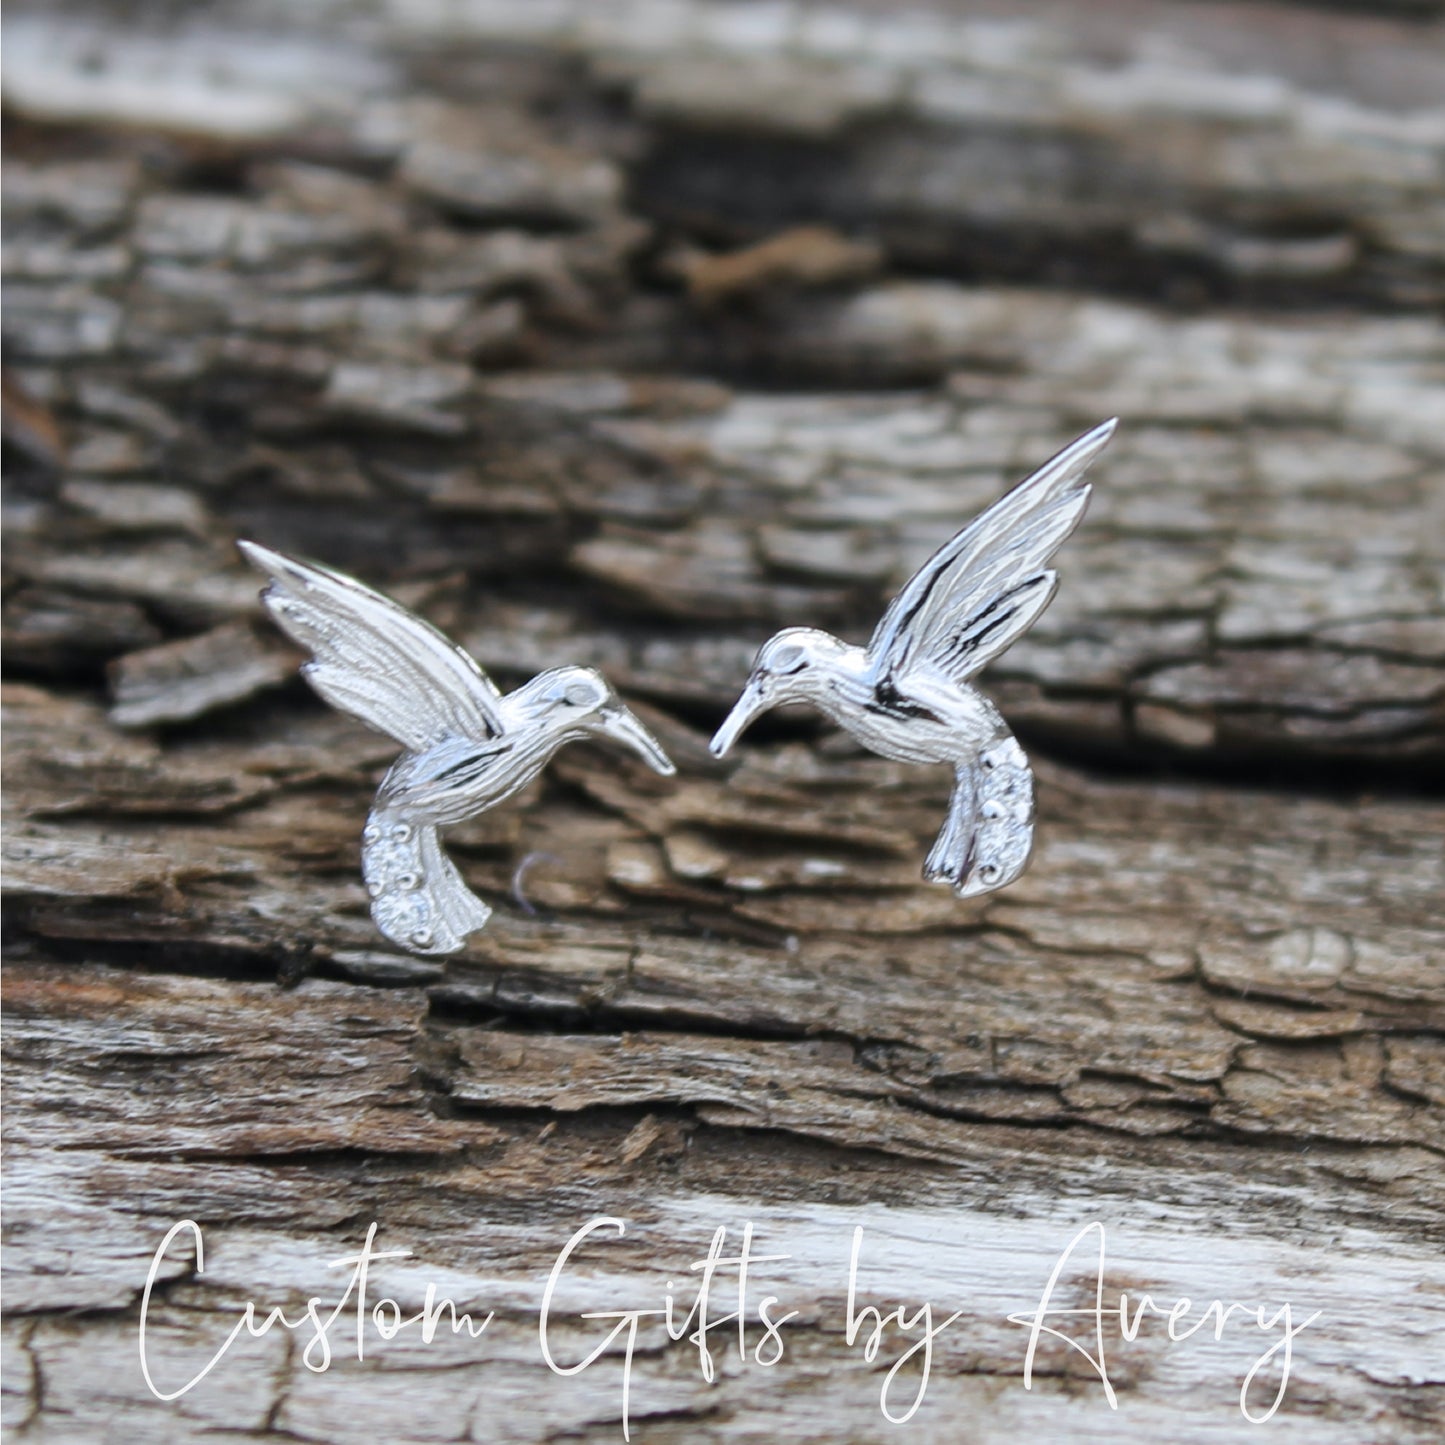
{"points": [[468, 747], [906, 695]]}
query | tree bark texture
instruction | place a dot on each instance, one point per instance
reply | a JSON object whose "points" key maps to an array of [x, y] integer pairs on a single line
{"points": [[626, 334]]}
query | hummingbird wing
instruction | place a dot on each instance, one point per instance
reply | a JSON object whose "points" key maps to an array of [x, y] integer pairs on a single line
{"points": [[984, 588], [374, 659]]}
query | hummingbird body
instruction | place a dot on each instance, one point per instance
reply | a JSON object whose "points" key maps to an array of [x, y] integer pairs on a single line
{"points": [[907, 695], [467, 747], [925, 718]]}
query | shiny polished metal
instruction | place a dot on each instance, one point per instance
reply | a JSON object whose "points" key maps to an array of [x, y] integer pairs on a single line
{"points": [[467, 746], [906, 694]]}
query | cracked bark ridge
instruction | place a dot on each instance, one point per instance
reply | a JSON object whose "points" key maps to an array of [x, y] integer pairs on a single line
{"points": [[626, 335]]}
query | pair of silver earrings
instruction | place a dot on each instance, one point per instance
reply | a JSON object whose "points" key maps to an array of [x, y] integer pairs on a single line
{"points": [[906, 696]]}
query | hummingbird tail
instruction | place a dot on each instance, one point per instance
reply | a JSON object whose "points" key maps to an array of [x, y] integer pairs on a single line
{"points": [[418, 899], [947, 860], [986, 839]]}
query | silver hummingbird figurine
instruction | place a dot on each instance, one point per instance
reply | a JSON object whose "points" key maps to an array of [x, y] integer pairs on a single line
{"points": [[467, 747], [907, 694]]}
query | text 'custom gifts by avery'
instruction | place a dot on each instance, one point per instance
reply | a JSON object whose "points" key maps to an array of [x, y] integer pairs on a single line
{"points": [[719, 1307]]}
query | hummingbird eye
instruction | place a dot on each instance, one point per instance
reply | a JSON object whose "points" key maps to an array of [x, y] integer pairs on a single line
{"points": [[578, 695], [788, 658]]}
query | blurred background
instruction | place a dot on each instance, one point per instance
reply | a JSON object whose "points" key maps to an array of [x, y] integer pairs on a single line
{"points": [[675, 320], [626, 332]]}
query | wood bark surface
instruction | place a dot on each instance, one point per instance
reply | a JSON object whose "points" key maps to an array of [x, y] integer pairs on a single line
{"points": [[626, 334]]}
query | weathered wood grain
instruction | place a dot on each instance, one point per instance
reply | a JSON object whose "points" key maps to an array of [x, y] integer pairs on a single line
{"points": [[1258, 577], [1180, 923], [625, 334], [486, 1200]]}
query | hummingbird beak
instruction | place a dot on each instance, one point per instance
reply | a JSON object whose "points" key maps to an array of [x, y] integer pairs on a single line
{"points": [[621, 725], [754, 700]]}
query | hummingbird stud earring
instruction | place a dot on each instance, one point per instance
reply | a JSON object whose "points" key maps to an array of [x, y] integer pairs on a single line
{"points": [[467, 747], [907, 696]]}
